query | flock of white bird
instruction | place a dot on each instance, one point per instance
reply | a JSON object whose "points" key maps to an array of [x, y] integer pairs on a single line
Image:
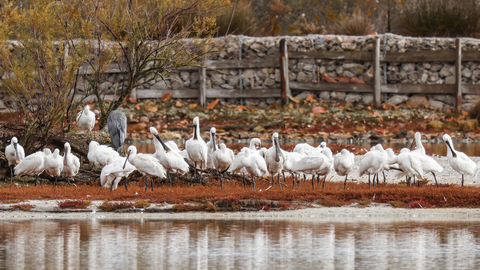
{"points": [[255, 161]]}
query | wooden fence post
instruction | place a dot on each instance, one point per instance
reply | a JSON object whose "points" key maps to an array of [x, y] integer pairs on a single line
{"points": [[458, 74], [377, 86], [284, 71], [202, 84]]}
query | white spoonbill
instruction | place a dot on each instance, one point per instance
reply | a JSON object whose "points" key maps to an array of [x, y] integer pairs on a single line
{"points": [[222, 159], [275, 159], [113, 170], [255, 165], [98, 154], [429, 165], [343, 164], [170, 159], [86, 119], [237, 166], [54, 164], [409, 164], [373, 162], [210, 145], [71, 163], [290, 159], [458, 160], [32, 165], [196, 148], [14, 153], [147, 165], [315, 163]]}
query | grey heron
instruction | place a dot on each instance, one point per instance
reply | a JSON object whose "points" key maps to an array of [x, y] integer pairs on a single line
{"points": [[117, 128]]}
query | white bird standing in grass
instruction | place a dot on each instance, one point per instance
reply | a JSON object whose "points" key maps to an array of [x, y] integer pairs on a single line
{"points": [[147, 165], [315, 163], [373, 162], [429, 165], [458, 160], [113, 170], [32, 165], [196, 148], [409, 164], [291, 158], [54, 164], [86, 119], [255, 165], [98, 154], [222, 159], [14, 153], [343, 164], [275, 160], [210, 144], [71, 163], [170, 159], [237, 166]]}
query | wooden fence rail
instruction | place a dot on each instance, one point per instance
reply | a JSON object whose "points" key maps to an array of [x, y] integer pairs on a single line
{"points": [[375, 56]]}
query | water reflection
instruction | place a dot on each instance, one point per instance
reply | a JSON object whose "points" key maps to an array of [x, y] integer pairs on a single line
{"points": [[237, 244]]}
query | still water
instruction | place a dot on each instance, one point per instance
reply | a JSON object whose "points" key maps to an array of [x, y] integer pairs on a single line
{"points": [[238, 244]]}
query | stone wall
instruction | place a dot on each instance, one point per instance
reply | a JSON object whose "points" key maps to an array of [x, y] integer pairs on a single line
{"points": [[322, 70]]}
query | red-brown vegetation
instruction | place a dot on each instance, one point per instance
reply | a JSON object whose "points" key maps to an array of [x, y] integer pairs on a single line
{"points": [[74, 204], [209, 197]]}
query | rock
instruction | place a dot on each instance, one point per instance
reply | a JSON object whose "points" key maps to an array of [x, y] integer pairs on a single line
{"points": [[471, 98], [217, 79], [435, 124], [269, 82], [436, 67], [353, 97], [161, 85], [447, 99], [450, 80], [467, 106], [271, 101], [144, 119], [325, 95], [424, 78], [2, 105], [446, 71], [185, 75], [418, 101], [233, 80], [408, 67], [226, 86], [277, 76], [104, 86], [259, 129], [303, 95], [367, 98], [302, 77], [436, 104], [397, 99], [348, 74], [251, 102], [466, 73], [338, 95], [247, 74]]}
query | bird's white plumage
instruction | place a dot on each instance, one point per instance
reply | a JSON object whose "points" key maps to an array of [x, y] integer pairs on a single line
{"points": [[343, 162], [99, 154], [315, 163], [223, 158], [14, 152], [210, 164], [274, 167], [458, 160], [429, 165], [254, 164], [374, 161], [114, 169], [408, 163], [54, 163], [33, 164], [172, 161], [86, 119], [145, 164], [71, 163], [237, 166], [196, 148]]}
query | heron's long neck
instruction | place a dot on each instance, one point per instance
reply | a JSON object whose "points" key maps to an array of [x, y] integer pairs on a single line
{"points": [[420, 146]]}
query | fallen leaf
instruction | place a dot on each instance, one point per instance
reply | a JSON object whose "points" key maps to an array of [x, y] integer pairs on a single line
{"points": [[356, 80], [310, 98], [296, 100], [318, 109], [387, 106], [240, 108], [166, 97], [148, 105], [328, 79], [137, 107], [213, 104], [178, 104], [132, 100], [153, 109], [192, 105]]}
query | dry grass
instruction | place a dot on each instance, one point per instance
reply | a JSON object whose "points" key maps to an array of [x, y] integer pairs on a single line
{"points": [[23, 207], [210, 197], [74, 204], [357, 24], [239, 20], [445, 18]]}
